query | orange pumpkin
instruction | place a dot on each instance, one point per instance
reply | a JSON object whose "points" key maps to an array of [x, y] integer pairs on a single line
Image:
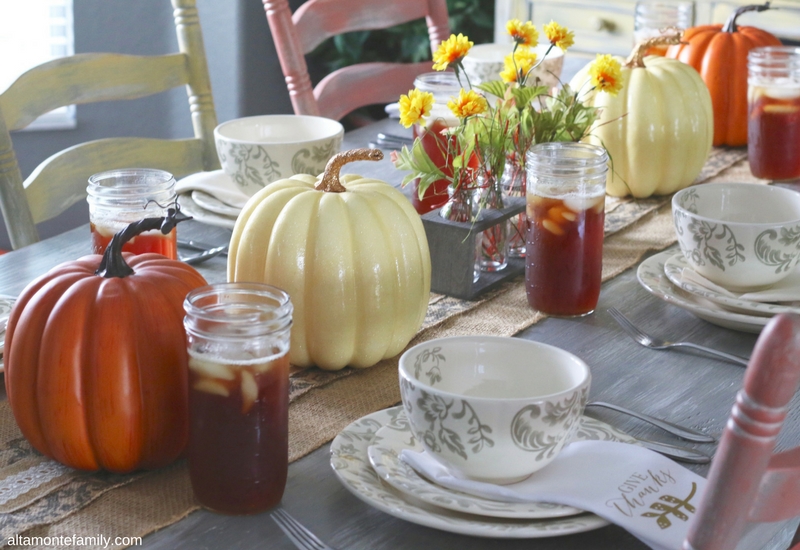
{"points": [[719, 53], [96, 361]]}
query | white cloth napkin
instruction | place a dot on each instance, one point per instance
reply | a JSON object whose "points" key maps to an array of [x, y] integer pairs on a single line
{"points": [[649, 495], [217, 184], [785, 290]]}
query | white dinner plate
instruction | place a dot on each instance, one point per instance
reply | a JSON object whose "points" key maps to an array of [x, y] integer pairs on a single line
{"points": [[214, 205], [351, 464], [192, 209], [673, 268], [652, 277], [389, 442]]}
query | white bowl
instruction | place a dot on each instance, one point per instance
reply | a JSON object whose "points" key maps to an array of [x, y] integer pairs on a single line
{"points": [[492, 409], [484, 62], [255, 151], [740, 236]]}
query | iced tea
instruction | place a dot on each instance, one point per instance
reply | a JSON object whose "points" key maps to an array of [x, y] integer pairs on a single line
{"points": [[150, 241], [564, 254], [238, 443], [773, 132]]}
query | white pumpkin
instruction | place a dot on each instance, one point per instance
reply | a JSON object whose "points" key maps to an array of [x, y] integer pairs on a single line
{"points": [[354, 259], [659, 128]]}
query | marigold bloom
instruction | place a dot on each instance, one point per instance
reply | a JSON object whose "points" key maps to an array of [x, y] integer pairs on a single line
{"points": [[606, 74], [524, 34], [467, 104], [559, 36], [518, 65], [415, 106], [451, 52]]}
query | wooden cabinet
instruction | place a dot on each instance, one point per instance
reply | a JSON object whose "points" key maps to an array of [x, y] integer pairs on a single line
{"points": [[607, 27]]}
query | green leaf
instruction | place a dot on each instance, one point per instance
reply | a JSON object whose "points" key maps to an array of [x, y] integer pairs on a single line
{"points": [[525, 95], [419, 164], [494, 87]]}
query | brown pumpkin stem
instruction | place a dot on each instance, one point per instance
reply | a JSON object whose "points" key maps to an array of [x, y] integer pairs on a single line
{"points": [[730, 24], [113, 263], [670, 37], [330, 178]]}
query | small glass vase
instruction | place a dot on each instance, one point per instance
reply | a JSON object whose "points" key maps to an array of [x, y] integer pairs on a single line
{"points": [[491, 246], [460, 207], [513, 184]]}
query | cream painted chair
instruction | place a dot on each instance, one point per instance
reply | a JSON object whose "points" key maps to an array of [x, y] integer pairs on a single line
{"points": [[60, 181]]}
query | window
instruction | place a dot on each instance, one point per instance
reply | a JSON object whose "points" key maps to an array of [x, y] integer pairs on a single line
{"points": [[33, 32]]}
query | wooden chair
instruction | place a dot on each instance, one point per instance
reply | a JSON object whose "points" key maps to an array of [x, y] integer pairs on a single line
{"points": [[61, 180], [747, 482], [357, 85]]}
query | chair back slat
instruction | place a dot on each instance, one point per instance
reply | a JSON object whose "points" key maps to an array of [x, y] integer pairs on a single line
{"points": [[61, 180], [318, 20], [747, 443]]}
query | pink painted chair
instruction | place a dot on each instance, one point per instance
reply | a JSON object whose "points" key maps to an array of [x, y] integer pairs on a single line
{"points": [[357, 85], [747, 482]]}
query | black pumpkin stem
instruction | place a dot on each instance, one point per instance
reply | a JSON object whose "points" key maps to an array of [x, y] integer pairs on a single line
{"points": [[730, 24], [113, 263]]}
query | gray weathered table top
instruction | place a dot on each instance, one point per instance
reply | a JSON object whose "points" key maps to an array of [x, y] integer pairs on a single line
{"points": [[684, 387]]}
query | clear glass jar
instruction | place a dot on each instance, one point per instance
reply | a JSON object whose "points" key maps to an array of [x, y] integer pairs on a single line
{"points": [[514, 185], [652, 17], [238, 341], [565, 212], [773, 99], [491, 248], [118, 198], [443, 86]]}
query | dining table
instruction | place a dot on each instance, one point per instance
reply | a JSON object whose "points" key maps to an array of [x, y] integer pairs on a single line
{"points": [[685, 387]]}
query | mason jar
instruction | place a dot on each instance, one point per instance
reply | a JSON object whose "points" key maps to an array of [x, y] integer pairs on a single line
{"points": [[566, 187], [651, 18], [118, 198]]}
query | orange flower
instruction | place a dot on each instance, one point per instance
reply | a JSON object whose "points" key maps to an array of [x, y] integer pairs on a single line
{"points": [[415, 106], [606, 73], [559, 36], [467, 104], [524, 34], [518, 65], [451, 52]]}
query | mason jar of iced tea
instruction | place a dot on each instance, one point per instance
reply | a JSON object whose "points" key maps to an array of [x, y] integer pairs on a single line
{"points": [[118, 198], [773, 126], [652, 18], [443, 86], [238, 342], [565, 213]]}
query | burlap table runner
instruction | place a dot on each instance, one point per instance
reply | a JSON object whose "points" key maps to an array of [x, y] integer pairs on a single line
{"points": [[39, 498]]}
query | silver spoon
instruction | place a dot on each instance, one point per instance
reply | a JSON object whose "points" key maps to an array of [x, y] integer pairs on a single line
{"points": [[205, 255], [675, 429]]}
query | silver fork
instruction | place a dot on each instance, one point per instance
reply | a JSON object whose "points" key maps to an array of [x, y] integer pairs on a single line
{"points": [[297, 532], [652, 342]]}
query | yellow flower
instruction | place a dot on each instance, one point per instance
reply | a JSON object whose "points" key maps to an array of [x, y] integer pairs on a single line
{"points": [[451, 52], [559, 36], [467, 104], [606, 74], [415, 106], [518, 65], [524, 34]]}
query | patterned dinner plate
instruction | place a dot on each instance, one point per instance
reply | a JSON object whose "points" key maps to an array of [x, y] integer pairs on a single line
{"points": [[673, 269], [351, 464], [652, 277], [389, 442], [194, 210]]}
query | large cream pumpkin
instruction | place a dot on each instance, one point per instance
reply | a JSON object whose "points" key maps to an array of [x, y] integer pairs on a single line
{"points": [[353, 256], [658, 130]]}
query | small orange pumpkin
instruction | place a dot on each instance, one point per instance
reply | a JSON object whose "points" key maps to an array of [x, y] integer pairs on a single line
{"points": [[719, 53], [96, 361]]}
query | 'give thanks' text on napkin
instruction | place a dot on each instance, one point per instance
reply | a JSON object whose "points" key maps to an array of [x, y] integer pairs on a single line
{"points": [[647, 494]]}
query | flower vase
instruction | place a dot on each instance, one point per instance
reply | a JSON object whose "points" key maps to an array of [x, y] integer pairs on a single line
{"points": [[491, 246], [514, 185]]}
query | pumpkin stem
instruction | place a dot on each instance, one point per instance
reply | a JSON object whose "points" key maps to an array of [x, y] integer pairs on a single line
{"points": [[670, 36], [730, 24], [330, 179], [113, 263]]}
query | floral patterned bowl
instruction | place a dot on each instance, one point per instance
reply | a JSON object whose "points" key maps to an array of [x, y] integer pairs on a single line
{"points": [[255, 151], [492, 409], [740, 236]]}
